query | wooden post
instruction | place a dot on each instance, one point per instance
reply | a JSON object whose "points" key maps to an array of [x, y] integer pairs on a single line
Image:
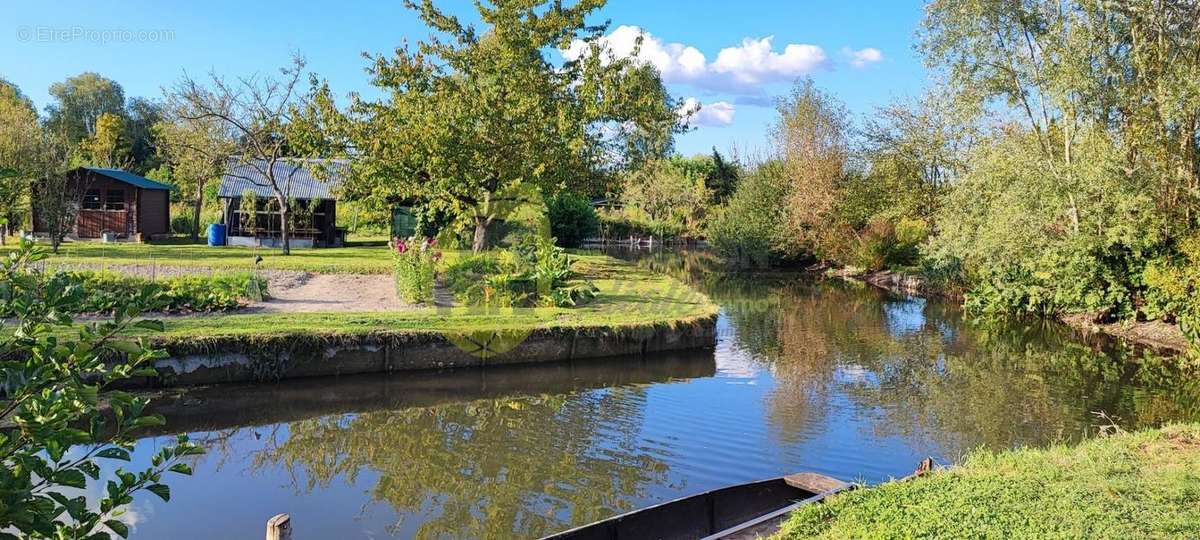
{"points": [[279, 527]]}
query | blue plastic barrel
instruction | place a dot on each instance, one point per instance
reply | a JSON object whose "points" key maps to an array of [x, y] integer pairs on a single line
{"points": [[216, 234]]}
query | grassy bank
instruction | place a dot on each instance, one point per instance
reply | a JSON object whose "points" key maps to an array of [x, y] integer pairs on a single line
{"points": [[1140, 485], [628, 296], [372, 258]]}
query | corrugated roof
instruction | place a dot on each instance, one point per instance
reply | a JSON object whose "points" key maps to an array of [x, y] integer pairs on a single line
{"points": [[240, 177], [129, 178]]}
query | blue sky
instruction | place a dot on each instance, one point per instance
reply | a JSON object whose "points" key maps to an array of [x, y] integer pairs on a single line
{"points": [[709, 50]]}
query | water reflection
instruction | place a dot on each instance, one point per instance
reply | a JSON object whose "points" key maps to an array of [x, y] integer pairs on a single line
{"points": [[808, 375]]}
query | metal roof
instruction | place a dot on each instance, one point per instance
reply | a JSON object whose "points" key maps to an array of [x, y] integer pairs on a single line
{"points": [[240, 177], [128, 178]]}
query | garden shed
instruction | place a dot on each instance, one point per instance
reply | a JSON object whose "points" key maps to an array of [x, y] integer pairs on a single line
{"points": [[251, 213], [116, 202]]}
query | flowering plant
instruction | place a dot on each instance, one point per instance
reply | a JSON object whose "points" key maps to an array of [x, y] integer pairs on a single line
{"points": [[415, 268]]}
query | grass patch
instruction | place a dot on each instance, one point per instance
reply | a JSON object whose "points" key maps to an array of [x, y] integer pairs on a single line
{"points": [[356, 258], [1139, 485], [628, 296]]}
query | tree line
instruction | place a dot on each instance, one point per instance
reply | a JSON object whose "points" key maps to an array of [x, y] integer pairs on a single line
{"points": [[1052, 168]]}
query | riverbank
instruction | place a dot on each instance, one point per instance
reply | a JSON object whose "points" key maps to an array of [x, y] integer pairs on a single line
{"points": [[1154, 334], [1139, 485], [635, 311]]}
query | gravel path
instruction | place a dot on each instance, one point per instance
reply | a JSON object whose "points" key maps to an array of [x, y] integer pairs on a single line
{"points": [[334, 292]]}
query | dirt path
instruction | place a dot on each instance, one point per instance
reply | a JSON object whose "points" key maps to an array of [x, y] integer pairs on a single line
{"points": [[332, 292]]}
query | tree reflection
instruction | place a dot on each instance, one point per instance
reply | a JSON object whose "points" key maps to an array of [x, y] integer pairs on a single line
{"points": [[494, 468], [924, 373]]}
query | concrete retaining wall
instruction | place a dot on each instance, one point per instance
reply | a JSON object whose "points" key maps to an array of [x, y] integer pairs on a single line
{"points": [[232, 361]]}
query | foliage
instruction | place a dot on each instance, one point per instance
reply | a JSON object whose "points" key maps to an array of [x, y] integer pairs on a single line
{"points": [[107, 146], [1139, 485], [197, 149], [469, 116], [536, 273], [572, 218], [53, 386], [79, 103], [620, 224], [749, 228], [1173, 288], [248, 210], [415, 267], [265, 120], [19, 135], [182, 294], [667, 192]]}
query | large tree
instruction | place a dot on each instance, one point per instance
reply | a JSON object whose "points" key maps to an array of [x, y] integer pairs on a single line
{"points": [[469, 116], [258, 113], [19, 131], [78, 103], [197, 151], [109, 146]]}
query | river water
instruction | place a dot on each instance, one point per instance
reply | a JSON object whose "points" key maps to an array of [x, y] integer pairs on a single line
{"points": [[832, 377]]}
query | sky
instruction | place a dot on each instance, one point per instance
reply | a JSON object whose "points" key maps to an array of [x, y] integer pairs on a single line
{"points": [[729, 57]]}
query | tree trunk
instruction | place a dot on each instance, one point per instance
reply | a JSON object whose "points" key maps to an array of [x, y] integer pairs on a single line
{"points": [[480, 242], [199, 203], [284, 226]]}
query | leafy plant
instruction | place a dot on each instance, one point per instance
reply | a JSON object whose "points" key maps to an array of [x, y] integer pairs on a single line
{"points": [[415, 268], [572, 218], [105, 292], [52, 387], [534, 273]]}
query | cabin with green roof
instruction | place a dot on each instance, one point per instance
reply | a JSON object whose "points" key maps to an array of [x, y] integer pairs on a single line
{"points": [[118, 203]]}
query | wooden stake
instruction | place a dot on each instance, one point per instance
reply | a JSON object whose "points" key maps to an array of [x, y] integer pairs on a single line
{"points": [[279, 527]]}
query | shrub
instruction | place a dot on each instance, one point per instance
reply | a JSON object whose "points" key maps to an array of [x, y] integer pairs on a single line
{"points": [[416, 267], [1173, 288], [749, 229], [56, 375], [105, 292], [572, 219], [535, 273]]}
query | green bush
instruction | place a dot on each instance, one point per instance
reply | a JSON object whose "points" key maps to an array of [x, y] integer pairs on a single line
{"points": [[416, 268], [57, 373], [572, 219], [535, 273], [105, 291], [1173, 288], [749, 229], [621, 224]]}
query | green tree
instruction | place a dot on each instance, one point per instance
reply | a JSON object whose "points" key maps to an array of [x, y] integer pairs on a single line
{"points": [[108, 146], [258, 114], [197, 148], [470, 116], [78, 103], [56, 375], [141, 116], [19, 133]]}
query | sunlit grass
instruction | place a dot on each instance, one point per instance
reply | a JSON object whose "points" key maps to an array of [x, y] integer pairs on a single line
{"points": [[1140, 485]]}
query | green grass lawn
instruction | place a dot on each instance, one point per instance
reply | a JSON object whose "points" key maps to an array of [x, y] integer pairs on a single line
{"points": [[1140, 485], [370, 257]]}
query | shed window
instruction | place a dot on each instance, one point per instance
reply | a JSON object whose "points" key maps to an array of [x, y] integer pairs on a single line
{"points": [[115, 200], [91, 200]]}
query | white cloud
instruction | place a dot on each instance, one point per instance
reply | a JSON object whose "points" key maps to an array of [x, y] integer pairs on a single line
{"points": [[716, 114], [755, 61], [863, 57], [739, 69]]}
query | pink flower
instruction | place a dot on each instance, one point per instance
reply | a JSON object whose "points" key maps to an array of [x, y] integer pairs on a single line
{"points": [[401, 247]]}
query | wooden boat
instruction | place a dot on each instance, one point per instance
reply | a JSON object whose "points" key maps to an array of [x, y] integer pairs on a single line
{"points": [[734, 512]]}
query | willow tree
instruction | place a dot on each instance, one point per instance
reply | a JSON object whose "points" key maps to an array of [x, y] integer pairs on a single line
{"points": [[469, 116]]}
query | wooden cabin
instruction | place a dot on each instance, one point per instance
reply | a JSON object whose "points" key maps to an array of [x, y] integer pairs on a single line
{"points": [[314, 217], [117, 202]]}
